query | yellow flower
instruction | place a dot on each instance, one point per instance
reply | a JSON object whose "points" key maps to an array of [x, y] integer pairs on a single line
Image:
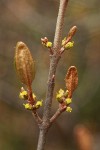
{"points": [[58, 96], [68, 101], [49, 44], [69, 45], [60, 93], [38, 104], [23, 95], [69, 109], [28, 106]]}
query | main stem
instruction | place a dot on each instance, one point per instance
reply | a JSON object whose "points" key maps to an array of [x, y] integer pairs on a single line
{"points": [[51, 77]]}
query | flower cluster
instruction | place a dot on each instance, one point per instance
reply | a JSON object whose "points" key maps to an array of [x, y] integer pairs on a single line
{"points": [[23, 95], [67, 45], [62, 97], [46, 43]]}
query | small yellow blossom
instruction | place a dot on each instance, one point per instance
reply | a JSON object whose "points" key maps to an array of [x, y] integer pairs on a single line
{"points": [[61, 91], [49, 44], [69, 109], [69, 45], [23, 95], [28, 106], [60, 94], [68, 101], [38, 104]]}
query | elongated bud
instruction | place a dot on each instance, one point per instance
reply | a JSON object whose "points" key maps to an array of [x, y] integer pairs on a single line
{"points": [[72, 31], [71, 80], [24, 63]]}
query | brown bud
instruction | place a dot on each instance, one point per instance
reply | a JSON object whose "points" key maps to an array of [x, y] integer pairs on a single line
{"points": [[44, 40], [24, 63], [71, 80], [72, 31]]}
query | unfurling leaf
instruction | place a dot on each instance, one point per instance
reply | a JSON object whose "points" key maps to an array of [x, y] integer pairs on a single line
{"points": [[24, 63], [71, 80]]}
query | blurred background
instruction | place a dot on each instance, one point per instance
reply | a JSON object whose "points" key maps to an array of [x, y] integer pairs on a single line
{"points": [[29, 21]]}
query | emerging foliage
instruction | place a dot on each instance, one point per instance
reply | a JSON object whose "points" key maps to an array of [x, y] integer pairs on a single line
{"points": [[71, 80], [25, 65]]}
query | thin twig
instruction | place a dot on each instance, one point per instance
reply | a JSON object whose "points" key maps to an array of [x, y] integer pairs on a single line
{"points": [[57, 114], [37, 117]]}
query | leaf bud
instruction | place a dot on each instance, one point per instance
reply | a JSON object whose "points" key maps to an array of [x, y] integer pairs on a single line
{"points": [[72, 31]]}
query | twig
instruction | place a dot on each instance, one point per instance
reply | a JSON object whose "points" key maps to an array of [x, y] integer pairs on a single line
{"points": [[37, 117], [57, 113]]}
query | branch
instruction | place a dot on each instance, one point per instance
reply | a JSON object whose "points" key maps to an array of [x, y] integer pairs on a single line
{"points": [[36, 117], [54, 59]]}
